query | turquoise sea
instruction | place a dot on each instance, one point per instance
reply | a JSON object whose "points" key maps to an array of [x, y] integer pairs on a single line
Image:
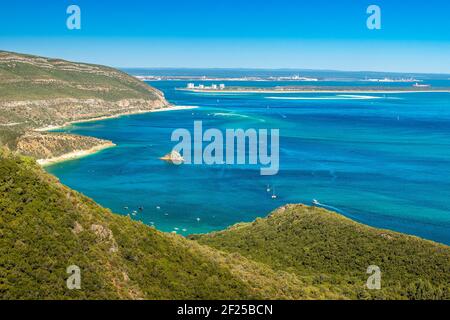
{"points": [[380, 159]]}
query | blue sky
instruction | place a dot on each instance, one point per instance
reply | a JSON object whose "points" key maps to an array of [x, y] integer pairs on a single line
{"points": [[319, 34]]}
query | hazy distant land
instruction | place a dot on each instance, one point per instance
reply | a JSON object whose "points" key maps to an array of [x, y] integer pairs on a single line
{"points": [[320, 89]]}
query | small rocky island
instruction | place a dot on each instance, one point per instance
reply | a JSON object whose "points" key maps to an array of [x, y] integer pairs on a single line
{"points": [[174, 157]]}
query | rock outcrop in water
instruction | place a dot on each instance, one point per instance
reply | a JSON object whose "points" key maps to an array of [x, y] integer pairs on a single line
{"points": [[174, 157]]}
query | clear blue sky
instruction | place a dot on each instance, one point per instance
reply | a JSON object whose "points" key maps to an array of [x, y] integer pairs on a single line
{"points": [[319, 34]]}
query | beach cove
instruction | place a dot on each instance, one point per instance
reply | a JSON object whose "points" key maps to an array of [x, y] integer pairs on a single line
{"points": [[103, 144]]}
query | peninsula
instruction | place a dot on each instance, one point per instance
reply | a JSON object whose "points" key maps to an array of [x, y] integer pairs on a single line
{"points": [[39, 94]]}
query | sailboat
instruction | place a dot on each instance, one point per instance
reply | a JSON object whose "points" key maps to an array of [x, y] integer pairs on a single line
{"points": [[274, 196]]}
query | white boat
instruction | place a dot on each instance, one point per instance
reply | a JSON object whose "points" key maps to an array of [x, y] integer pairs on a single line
{"points": [[417, 85], [315, 202], [274, 196]]}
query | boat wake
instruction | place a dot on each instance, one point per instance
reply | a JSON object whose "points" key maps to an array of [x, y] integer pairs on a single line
{"points": [[318, 204], [235, 115], [224, 114]]}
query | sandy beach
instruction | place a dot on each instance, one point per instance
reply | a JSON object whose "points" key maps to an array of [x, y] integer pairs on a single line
{"points": [[106, 145], [75, 154]]}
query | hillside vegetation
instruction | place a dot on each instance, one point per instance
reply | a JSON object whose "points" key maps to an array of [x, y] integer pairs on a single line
{"points": [[296, 253], [46, 227], [337, 251], [27, 77]]}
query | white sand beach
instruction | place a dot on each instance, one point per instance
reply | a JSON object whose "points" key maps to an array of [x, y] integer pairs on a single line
{"points": [[83, 153], [75, 154]]}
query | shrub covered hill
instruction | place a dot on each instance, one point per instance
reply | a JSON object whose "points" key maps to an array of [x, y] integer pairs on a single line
{"points": [[37, 92], [297, 252], [46, 227], [336, 251]]}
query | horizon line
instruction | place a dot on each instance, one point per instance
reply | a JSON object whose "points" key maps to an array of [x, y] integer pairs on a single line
{"points": [[281, 69], [228, 68]]}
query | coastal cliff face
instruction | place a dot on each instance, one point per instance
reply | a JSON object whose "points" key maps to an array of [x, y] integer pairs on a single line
{"points": [[41, 93], [47, 146]]}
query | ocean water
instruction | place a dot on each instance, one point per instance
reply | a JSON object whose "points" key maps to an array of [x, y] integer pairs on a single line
{"points": [[380, 159]]}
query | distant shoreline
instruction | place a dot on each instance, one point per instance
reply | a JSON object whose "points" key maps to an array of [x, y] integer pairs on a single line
{"points": [[285, 91], [77, 154]]}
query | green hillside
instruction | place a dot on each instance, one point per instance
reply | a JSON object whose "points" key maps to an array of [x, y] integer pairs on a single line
{"points": [[337, 251], [27, 77], [296, 253], [46, 227]]}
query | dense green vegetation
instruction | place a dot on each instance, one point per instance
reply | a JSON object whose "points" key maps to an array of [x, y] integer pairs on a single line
{"points": [[296, 253], [46, 227], [337, 251]]}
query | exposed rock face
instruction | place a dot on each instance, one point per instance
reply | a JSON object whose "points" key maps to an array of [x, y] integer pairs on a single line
{"points": [[51, 145], [105, 234], [61, 111], [77, 228]]}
